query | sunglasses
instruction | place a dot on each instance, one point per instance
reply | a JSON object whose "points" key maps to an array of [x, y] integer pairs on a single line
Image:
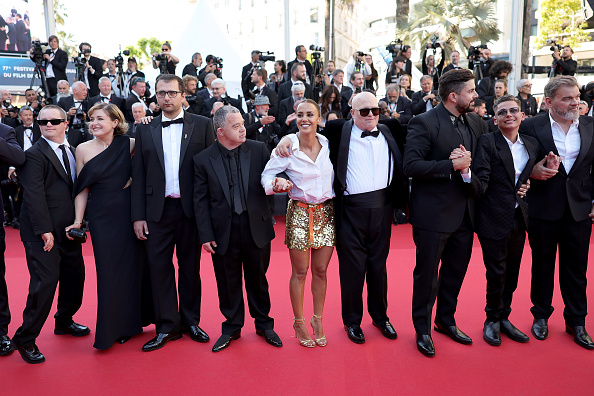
{"points": [[365, 112], [53, 121], [512, 111]]}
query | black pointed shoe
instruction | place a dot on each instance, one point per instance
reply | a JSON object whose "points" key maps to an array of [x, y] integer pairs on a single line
{"points": [[73, 329], [224, 341], [271, 337], [454, 333], [160, 340], [491, 333], [580, 336], [512, 332], [425, 345], [355, 334], [196, 333], [540, 329], [387, 330]]}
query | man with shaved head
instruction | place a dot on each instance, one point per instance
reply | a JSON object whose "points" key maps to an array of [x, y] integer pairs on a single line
{"points": [[368, 183]]}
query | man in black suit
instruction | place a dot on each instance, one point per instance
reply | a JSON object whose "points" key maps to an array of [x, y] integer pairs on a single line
{"points": [[297, 74], [211, 67], [22, 41], [560, 208], [55, 62], [399, 106], [192, 103], [93, 69], [287, 105], [135, 96], [219, 94], [139, 113], [115, 78], [337, 81], [502, 164], [301, 58], [163, 210], [47, 179], [12, 34], [206, 91], [236, 225], [192, 67], [258, 78], [499, 71], [77, 108], [357, 81], [106, 95], [426, 99], [11, 154], [246, 74], [454, 62], [63, 91], [130, 76], [441, 204]]}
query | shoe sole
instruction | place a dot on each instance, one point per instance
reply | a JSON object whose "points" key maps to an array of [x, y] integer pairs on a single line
{"points": [[440, 331], [388, 336], [66, 332], [176, 337]]}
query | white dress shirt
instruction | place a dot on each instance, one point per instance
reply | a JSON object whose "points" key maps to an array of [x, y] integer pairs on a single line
{"points": [[520, 157], [140, 99], [312, 180], [369, 163], [49, 70], [568, 145], [56, 147], [172, 137], [27, 137]]}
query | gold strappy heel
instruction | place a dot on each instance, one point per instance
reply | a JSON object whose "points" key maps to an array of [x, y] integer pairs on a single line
{"points": [[319, 341], [308, 343]]}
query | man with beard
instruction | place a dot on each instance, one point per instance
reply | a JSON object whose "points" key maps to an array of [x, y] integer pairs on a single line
{"points": [[399, 106], [297, 74], [560, 208], [563, 63], [437, 157], [192, 103]]}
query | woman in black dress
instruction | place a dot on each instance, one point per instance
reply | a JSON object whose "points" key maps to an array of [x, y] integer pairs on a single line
{"points": [[104, 167]]}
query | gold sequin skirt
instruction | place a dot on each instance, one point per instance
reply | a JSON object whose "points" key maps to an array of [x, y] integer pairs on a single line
{"points": [[310, 225]]}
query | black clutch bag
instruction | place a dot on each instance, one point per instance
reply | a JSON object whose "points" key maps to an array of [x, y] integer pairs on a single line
{"points": [[78, 235]]}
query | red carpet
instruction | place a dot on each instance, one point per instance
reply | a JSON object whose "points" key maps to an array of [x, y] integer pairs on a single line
{"points": [[250, 366]]}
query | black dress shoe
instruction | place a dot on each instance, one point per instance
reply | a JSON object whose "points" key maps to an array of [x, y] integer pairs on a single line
{"points": [[224, 341], [425, 345], [540, 329], [454, 333], [580, 336], [512, 332], [31, 354], [271, 337], [5, 346], [491, 333], [387, 330], [160, 340], [355, 334], [73, 329], [196, 333], [123, 340]]}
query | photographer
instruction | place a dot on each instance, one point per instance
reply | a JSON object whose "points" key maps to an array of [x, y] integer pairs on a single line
{"points": [[192, 67], [93, 69], [301, 57], [357, 64], [563, 64], [395, 70], [219, 95], [499, 71], [114, 79], [246, 74], [131, 74], [371, 82], [165, 61], [261, 126], [528, 102], [192, 103], [76, 107], [259, 77], [32, 101], [137, 95], [428, 65], [9, 112], [211, 67], [406, 53], [55, 61], [487, 61]]}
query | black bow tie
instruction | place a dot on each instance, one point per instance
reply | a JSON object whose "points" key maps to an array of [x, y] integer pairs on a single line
{"points": [[165, 124], [372, 133]]}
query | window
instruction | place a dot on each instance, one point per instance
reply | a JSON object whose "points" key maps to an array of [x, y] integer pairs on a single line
{"points": [[313, 15]]}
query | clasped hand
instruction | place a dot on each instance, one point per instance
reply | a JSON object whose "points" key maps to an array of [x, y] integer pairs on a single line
{"points": [[281, 185], [461, 159], [547, 167]]}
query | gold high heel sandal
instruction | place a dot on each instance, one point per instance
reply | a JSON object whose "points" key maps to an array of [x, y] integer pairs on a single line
{"points": [[319, 341], [308, 343]]}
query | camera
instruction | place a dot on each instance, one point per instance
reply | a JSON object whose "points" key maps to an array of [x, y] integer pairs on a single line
{"points": [[80, 113], [553, 44], [42, 99], [395, 46], [37, 52], [434, 43], [119, 59], [316, 48], [265, 58], [475, 51], [218, 62], [360, 53], [191, 99]]}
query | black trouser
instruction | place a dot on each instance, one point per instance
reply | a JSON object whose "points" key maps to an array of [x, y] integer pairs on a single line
{"points": [[243, 254], [174, 231], [362, 244], [63, 264], [453, 249], [502, 258], [4, 311], [573, 239], [52, 85]]}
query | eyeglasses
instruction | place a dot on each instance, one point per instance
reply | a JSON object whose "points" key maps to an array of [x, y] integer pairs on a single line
{"points": [[527, 86], [512, 111], [171, 94], [53, 121], [365, 112]]}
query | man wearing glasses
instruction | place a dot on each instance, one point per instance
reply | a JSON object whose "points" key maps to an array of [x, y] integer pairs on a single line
{"points": [[301, 57], [502, 164], [167, 58], [528, 102], [47, 179], [163, 210]]}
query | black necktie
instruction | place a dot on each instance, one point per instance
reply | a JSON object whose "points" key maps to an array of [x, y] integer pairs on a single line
{"points": [[237, 206], [165, 124], [105, 99], [372, 133], [457, 124], [66, 163]]}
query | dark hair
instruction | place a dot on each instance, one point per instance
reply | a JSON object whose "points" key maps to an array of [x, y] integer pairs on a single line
{"points": [[498, 66], [298, 48], [336, 113], [167, 44], [478, 102], [254, 52], [325, 98], [295, 66], [114, 113], [353, 75], [283, 65], [311, 102], [81, 45], [53, 36], [169, 78], [504, 98], [453, 81], [394, 61], [209, 58], [28, 89], [262, 73]]}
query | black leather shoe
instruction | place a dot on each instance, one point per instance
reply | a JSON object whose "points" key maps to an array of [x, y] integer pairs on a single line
{"points": [[491, 333], [31, 354], [123, 340], [540, 329], [454, 333], [73, 329], [196, 333], [5, 346], [580, 336], [160, 340], [512, 332], [355, 334], [271, 337], [425, 345], [387, 330], [224, 341]]}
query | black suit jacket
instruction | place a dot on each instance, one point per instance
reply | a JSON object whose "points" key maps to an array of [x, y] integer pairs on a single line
{"points": [[419, 106], [130, 100], [403, 107], [20, 134], [148, 170], [75, 136], [284, 91], [308, 69], [113, 99], [208, 103], [212, 197], [495, 184], [486, 89], [10, 154], [345, 96], [58, 64], [48, 204], [97, 66], [246, 79], [439, 197], [269, 131], [285, 108], [548, 199]]}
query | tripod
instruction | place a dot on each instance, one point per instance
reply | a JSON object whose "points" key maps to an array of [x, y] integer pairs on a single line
{"points": [[477, 69], [40, 72]]}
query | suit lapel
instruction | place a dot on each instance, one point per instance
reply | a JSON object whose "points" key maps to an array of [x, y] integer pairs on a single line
{"points": [[585, 129], [392, 146], [186, 136], [532, 153], [506, 156], [343, 153], [544, 133], [244, 161], [45, 148], [219, 168], [157, 134], [20, 138]]}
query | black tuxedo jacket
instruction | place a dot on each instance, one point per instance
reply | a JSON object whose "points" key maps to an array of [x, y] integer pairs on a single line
{"points": [[495, 184], [48, 204], [419, 106], [439, 197], [10, 153], [486, 89], [96, 64], [212, 197], [450, 67], [308, 69], [345, 96], [403, 107], [208, 103], [20, 134], [58, 64], [548, 199], [189, 69], [252, 130], [285, 108], [75, 136], [113, 99], [284, 91], [246, 79], [195, 107], [148, 170], [130, 100]]}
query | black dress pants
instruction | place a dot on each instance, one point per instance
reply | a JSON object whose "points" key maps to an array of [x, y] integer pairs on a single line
{"points": [[4, 311], [52, 85]]}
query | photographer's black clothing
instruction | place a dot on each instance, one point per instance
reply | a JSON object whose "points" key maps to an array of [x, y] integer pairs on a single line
{"points": [[392, 77], [195, 103], [77, 129], [93, 78], [435, 72], [450, 67], [190, 69], [113, 99], [308, 69], [529, 106], [202, 75], [268, 134], [207, 107], [58, 63], [246, 79], [565, 67], [486, 89]]}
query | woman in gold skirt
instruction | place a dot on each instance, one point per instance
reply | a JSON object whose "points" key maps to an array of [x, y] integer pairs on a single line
{"points": [[310, 231]]}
